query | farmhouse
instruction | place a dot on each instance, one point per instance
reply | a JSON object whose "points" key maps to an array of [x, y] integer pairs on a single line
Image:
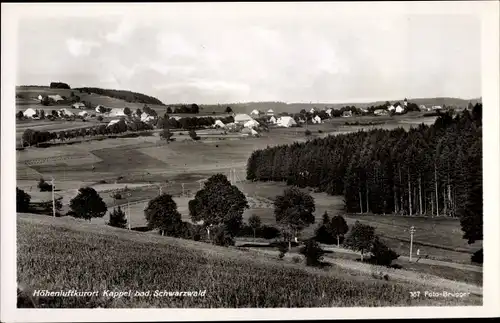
{"points": [[242, 118], [423, 108], [177, 118], [286, 122], [146, 117], [316, 119], [380, 112], [78, 105], [112, 122], [347, 113], [117, 112], [251, 124], [399, 109], [83, 113], [272, 120], [56, 97], [391, 108], [270, 112], [329, 111], [29, 113], [437, 107], [255, 112], [219, 124], [312, 110], [364, 110], [65, 112]]}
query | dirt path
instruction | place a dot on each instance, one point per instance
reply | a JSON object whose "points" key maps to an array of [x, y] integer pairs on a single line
{"points": [[394, 274], [404, 258]]}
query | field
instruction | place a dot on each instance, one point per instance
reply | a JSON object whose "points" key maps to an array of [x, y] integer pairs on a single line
{"points": [[94, 260]]}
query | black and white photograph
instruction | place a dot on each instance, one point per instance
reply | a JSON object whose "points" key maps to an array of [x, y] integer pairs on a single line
{"points": [[303, 156]]}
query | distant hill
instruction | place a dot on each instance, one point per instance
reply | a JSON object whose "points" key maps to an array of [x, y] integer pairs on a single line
{"points": [[128, 96], [277, 107]]}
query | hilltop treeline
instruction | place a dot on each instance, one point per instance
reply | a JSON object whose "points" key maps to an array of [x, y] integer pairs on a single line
{"points": [[128, 96], [190, 122], [59, 85], [428, 170]]}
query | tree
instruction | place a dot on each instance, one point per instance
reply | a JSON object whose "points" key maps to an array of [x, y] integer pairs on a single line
{"points": [[471, 218], [312, 252], [42, 114], [45, 100], [381, 254], [228, 109], [19, 115], [88, 204], [54, 113], [127, 111], [294, 211], [22, 200], [338, 227], [219, 204], [44, 186], [100, 118], [195, 108], [166, 134], [360, 238], [138, 112], [255, 223], [169, 110], [117, 218], [193, 135], [161, 213]]}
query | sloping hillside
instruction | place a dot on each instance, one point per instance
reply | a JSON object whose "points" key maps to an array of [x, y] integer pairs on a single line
{"points": [[65, 253], [28, 99]]}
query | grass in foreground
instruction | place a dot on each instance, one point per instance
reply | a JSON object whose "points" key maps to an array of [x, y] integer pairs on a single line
{"points": [[57, 254]]}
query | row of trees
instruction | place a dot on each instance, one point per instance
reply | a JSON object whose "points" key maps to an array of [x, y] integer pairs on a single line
{"points": [[183, 108], [34, 137], [429, 170], [189, 122]]}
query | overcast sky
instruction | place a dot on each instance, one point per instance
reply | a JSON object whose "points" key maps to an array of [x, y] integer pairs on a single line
{"points": [[204, 59]]}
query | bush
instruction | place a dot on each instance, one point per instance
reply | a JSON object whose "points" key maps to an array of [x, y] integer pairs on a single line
{"points": [[283, 249], [116, 196], [477, 257], [381, 254], [222, 237], [308, 132], [296, 259], [44, 186], [193, 135], [22, 200], [312, 252], [117, 219], [320, 131]]}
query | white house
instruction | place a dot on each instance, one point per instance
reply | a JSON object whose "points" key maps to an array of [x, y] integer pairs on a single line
{"points": [[364, 110], [391, 108], [255, 112], [117, 112], [437, 107], [399, 109], [219, 124], [112, 122], [312, 110], [56, 97], [242, 118], [65, 112], [177, 118], [380, 112], [146, 117], [286, 122], [405, 102], [329, 111], [270, 112], [423, 107], [316, 119], [29, 113], [272, 120], [347, 113], [254, 132], [251, 124], [78, 105]]}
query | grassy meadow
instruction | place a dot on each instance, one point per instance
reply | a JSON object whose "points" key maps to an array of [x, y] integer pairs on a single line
{"points": [[56, 253]]}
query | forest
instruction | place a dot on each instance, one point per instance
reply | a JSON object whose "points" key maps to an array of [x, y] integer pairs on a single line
{"points": [[128, 96], [429, 170]]}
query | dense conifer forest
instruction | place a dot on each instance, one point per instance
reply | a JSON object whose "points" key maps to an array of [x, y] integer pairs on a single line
{"points": [[429, 170]]}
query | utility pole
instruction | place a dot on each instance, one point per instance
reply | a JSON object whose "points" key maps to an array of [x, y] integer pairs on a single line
{"points": [[128, 209], [412, 231], [53, 199]]}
